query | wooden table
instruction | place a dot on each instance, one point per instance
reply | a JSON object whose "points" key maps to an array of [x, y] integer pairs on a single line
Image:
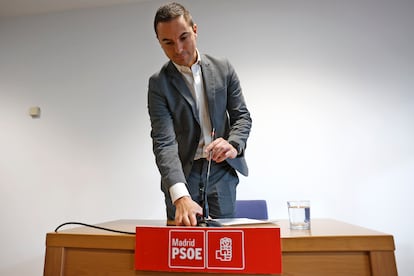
{"points": [[330, 248]]}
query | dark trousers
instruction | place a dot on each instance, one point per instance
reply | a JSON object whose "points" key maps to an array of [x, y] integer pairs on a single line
{"points": [[221, 188]]}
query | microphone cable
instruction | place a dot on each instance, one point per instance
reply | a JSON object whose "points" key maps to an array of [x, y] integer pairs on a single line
{"points": [[95, 227]]}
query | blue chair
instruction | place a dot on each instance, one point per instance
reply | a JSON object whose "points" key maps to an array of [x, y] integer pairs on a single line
{"points": [[253, 209]]}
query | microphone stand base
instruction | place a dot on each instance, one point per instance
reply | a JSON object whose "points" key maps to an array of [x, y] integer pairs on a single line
{"points": [[205, 222]]}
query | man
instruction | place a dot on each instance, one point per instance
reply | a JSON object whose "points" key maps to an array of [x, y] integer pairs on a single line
{"points": [[197, 111]]}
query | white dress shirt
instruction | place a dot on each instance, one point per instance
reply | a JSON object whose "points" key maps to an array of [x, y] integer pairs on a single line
{"points": [[194, 79]]}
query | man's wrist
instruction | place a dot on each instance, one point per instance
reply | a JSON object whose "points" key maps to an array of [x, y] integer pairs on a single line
{"points": [[236, 146], [177, 191]]}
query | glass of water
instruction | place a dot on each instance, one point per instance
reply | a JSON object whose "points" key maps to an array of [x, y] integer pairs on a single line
{"points": [[299, 214]]}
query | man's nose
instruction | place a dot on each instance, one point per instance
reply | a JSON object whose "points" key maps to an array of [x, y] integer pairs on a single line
{"points": [[178, 47]]}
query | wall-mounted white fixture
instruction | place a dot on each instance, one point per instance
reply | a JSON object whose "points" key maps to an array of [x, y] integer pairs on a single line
{"points": [[34, 112]]}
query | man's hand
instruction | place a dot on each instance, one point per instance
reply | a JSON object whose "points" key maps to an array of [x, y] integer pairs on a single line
{"points": [[186, 211], [221, 150]]}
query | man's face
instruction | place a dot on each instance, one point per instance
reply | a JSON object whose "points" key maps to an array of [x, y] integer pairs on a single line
{"points": [[178, 40]]}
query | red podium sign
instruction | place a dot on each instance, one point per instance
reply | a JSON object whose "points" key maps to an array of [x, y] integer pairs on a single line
{"points": [[250, 250]]}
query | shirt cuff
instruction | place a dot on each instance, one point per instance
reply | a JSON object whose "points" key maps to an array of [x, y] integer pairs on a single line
{"points": [[177, 191]]}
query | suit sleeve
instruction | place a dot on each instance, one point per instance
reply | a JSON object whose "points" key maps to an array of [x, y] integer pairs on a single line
{"points": [[239, 115], [163, 136]]}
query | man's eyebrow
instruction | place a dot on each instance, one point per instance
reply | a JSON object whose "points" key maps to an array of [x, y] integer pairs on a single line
{"points": [[184, 33], [168, 39]]}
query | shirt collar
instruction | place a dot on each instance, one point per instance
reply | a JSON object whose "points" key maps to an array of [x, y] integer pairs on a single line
{"points": [[185, 69]]}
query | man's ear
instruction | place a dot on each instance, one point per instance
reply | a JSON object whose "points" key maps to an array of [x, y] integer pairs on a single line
{"points": [[195, 29]]}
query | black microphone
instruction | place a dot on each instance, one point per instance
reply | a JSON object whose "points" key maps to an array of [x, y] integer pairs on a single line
{"points": [[204, 220]]}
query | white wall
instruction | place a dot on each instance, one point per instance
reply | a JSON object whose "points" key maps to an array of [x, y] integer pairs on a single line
{"points": [[329, 85]]}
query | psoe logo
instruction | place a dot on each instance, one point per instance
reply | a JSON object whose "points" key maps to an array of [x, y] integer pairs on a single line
{"points": [[187, 249], [225, 249]]}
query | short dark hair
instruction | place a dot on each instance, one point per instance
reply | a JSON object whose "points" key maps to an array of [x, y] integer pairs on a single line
{"points": [[170, 11]]}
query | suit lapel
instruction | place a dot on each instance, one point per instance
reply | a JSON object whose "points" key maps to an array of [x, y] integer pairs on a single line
{"points": [[178, 82], [209, 86]]}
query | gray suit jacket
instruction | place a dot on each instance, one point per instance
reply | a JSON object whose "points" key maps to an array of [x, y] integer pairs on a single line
{"points": [[175, 120]]}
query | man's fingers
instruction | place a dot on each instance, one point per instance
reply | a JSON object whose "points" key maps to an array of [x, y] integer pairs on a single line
{"points": [[193, 220], [183, 220]]}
